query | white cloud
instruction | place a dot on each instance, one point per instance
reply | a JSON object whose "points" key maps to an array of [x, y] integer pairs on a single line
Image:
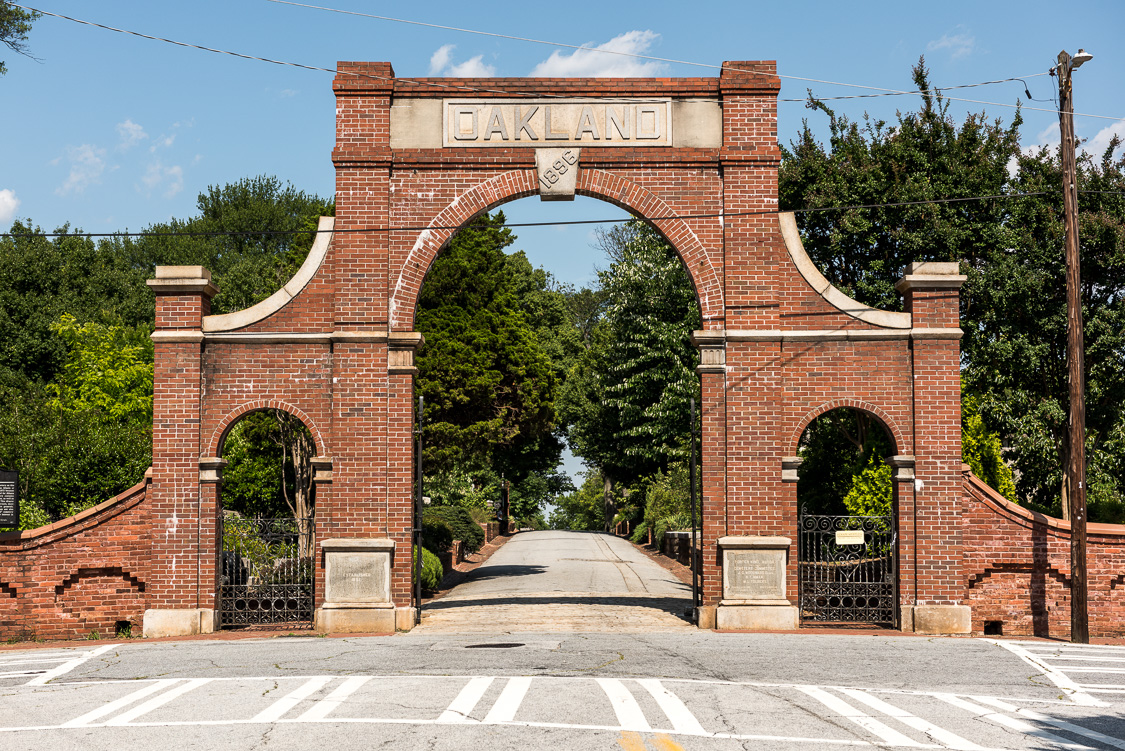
{"points": [[474, 67], [1097, 145], [441, 64], [162, 143], [441, 58], [131, 134], [87, 163], [959, 44], [9, 204], [170, 179], [287, 93], [601, 62]]}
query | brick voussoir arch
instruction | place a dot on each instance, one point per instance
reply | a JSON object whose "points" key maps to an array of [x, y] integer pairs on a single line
{"points": [[517, 184], [219, 435], [896, 435]]}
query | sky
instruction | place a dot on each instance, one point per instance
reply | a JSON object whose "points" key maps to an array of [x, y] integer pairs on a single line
{"points": [[107, 131]]}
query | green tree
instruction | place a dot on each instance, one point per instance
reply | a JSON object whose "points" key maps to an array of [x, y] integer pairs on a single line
{"points": [[1010, 248], [488, 376], [626, 400], [583, 508], [836, 448], [252, 235], [871, 492], [15, 23], [42, 279], [982, 450]]}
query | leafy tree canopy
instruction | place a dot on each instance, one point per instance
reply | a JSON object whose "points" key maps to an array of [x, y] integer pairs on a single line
{"points": [[15, 23]]}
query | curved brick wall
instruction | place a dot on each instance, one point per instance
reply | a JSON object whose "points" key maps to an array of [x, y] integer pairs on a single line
{"points": [[1017, 568], [81, 574]]}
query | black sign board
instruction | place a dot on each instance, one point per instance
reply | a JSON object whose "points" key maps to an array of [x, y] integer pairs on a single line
{"points": [[9, 499]]}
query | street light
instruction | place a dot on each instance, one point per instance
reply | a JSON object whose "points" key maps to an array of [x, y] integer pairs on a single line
{"points": [[1075, 472]]}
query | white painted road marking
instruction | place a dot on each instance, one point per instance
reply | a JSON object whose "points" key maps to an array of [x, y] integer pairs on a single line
{"points": [[466, 701], [940, 735], [1011, 722], [886, 734], [1078, 693], [66, 667], [506, 706], [628, 712], [322, 708], [159, 701], [683, 721], [275, 711], [113, 706], [1061, 724], [861, 707]]}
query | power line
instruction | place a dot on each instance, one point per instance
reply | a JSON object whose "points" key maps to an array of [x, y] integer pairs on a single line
{"points": [[887, 92], [667, 217], [435, 84]]}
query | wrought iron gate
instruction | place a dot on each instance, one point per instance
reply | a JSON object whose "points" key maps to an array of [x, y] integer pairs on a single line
{"points": [[267, 571], [846, 569]]}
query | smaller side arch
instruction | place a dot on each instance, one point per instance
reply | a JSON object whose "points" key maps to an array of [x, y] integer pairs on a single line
{"points": [[218, 436], [896, 435]]}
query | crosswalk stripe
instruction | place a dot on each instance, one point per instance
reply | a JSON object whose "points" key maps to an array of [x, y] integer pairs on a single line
{"points": [[322, 708], [887, 734], [462, 706], [124, 701], [159, 701], [1031, 714], [1059, 678], [683, 721], [941, 735], [1011, 722], [273, 712], [66, 667], [629, 714], [508, 703]]}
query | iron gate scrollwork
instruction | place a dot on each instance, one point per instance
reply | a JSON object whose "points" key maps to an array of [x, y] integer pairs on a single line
{"points": [[267, 571], [846, 569]]}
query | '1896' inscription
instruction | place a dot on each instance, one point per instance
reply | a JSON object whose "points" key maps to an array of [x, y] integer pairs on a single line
{"points": [[556, 122]]}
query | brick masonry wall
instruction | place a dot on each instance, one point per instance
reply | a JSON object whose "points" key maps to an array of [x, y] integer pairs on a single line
{"points": [[326, 358], [1016, 568], [81, 574]]}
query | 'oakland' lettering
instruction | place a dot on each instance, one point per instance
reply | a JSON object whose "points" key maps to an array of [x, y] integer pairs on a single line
{"points": [[558, 122]]}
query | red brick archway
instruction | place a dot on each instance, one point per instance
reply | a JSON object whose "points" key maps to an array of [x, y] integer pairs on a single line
{"points": [[695, 157]]}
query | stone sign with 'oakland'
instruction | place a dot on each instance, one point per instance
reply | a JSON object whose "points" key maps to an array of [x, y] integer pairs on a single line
{"points": [[556, 122]]}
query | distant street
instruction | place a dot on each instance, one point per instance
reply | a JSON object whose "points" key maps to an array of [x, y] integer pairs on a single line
{"points": [[563, 581]]}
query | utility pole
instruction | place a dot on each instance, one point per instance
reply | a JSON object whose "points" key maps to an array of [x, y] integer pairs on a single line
{"points": [[1075, 355]]}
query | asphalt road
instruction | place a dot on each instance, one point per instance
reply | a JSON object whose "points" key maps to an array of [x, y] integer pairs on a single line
{"points": [[563, 581], [512, 688]]}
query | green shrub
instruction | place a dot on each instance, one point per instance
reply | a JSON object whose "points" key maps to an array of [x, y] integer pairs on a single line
{"points": [[460, 522], [432, 572], [871, 493], [437, 535]]}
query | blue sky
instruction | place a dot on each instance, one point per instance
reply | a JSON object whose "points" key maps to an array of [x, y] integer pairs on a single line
{"points": [[108, 131]]}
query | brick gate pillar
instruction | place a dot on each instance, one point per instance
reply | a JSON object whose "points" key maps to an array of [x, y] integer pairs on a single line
{"points": [[181, 587], [712, 371], [936, 602]]}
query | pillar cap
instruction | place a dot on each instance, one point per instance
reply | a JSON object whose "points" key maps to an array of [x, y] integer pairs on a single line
{"points": [[931, 275]]}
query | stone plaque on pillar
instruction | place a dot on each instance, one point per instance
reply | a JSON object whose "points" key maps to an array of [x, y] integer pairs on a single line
{"points": [[754, 584], [357, 586]]}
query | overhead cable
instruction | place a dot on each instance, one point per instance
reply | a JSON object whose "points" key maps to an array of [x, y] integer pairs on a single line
{"points": [[887, 92], [620, 220], [478, 89]]}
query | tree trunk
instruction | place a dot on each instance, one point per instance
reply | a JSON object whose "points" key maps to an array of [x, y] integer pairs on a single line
{"points": [[297, 444]]}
